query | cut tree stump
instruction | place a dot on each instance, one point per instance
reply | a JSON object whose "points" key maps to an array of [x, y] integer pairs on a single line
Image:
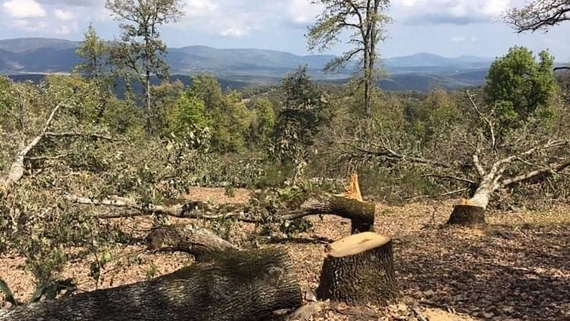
{"points": [[229, 285], [467, 215], [359, 269]]}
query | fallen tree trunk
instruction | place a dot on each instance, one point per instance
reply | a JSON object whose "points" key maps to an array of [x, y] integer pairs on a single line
{"points": [[229, 285], [361, 213], [359, 269], [198, 242]]}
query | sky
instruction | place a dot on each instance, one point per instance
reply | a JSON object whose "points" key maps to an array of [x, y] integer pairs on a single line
{"points": [[446, 27]]}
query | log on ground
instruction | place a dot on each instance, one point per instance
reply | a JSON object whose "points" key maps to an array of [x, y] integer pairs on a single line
{"points": [[359, 269], [467, 215], [360, 214], [185, 238], [230, 285]]}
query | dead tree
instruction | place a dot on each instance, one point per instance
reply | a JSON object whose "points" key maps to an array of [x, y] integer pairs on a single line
{"points": [[494, 164], [359, 269], [227, 285]]}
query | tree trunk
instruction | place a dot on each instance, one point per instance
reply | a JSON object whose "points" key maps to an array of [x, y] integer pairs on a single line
{"points": [[230, 285], [359, 269], [467, 215], [471, 212], [360, 214], [184, 238]]}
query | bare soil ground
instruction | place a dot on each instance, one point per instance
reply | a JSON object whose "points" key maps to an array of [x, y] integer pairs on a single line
{"points": [[518, 268]]}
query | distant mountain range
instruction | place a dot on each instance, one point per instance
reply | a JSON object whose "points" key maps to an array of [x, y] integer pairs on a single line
{"points": [[25, 56]]}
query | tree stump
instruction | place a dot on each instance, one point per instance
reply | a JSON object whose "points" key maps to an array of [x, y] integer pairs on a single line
{"points": [[359, 269], [226, 286], [467, 215]]}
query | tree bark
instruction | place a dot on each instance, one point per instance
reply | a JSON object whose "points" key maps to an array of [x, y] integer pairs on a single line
{"points": [[359, 269], [230, 285], [184, 238], [360, 214], [467, 215]]}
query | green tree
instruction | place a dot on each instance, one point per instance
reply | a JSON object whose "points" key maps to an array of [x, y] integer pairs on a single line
{"points": [[142, 49], [263, 122], [300, 119], [228, 116], [96, 66], [518, 86], [94, 52], [367, 19]]}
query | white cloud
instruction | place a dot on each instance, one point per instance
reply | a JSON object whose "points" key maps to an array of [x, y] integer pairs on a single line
{"points": [[63, 15], [303, 11], [451, 11], [234, 32], [67, 28], [27, 25], [458, 39], [23, 9], [199, 8]]}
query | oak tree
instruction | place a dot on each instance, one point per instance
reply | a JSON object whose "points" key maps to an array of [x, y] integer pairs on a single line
{"points": [[366, 18], [141, 51]]}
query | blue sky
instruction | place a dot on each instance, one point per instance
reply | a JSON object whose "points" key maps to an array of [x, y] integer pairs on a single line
{"points": [[446, 27]]}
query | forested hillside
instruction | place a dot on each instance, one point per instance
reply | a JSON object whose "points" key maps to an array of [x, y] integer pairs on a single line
{"points": [[289, 200]]}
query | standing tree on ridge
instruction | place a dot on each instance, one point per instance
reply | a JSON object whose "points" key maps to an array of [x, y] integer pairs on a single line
{"points": [[366, 19], [142, 47]]}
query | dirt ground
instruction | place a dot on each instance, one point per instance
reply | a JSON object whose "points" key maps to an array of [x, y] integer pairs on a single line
{"points": [[518, 268]]}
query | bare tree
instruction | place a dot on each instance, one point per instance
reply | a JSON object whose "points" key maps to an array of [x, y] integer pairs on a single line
{"points": [[538, 14], [366, 19]]}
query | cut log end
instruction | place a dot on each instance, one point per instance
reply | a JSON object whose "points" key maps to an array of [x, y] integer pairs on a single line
{"points": [[359, 269], [467, 215], [356, 243]]}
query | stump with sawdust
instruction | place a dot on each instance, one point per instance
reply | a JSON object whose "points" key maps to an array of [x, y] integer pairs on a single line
{"points": [[467, 215], [359, 269]]}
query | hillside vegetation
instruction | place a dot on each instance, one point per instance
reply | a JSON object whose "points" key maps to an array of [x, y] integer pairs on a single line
{"points": [[299, 200]]}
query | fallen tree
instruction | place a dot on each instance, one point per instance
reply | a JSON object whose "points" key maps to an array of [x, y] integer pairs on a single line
{"points": [[224, 285], [349, 205], [17, 168], [481, 155]]}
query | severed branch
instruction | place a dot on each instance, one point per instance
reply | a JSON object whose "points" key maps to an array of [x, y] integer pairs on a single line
{"points": [[329, 204], [485, 119], [17, 167], [85, 135], [539, 172], [388, 153], [185, 238]]}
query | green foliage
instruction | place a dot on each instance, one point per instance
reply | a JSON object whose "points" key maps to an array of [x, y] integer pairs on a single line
{"points": [[263, 122], [302, 116], [226, 114], [187, 115], [95, 53], [140, 52], [437, 115], [520, 87]]}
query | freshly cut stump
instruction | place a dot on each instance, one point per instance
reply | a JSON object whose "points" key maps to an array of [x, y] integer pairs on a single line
{"points": [[467, 215], [359, 269]]}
